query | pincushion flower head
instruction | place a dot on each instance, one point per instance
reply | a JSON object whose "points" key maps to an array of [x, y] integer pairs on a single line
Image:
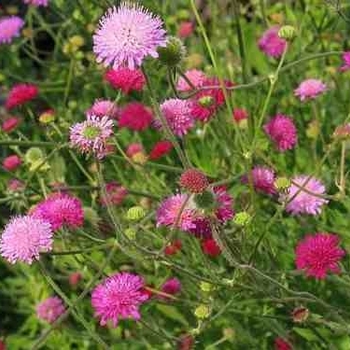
{"points": [[12, 162], [115, 194], [309, 89], [308, 201], [282, 344], [171, 286], [135, 116], [50, 309], [263, 179], [24, 238], [10, 124], [119, 297], [102, 108], [92, 135], [282, 132], [60, 209], [20, 94], [195, 76], [160, 149], [178, 116], [37, 2], [346, 62], [271, 44], [10, 28], [127, 35], [319, 254], [126, 79]]}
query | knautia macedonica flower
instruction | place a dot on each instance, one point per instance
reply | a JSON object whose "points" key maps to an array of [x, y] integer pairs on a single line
{"points": [[308, 201], [194, 181], [309, 89], [10, 124], [24, 238], [10, 28], [160, 149], [126, 79], [195, 76], [178, 116], [127, 35], [60, 209], [135, 116], [186, 28], [50, 309], [346, 62], [20, 94], [319, 254], [115, 194], [171, 286], [37, 2], [119, 297], [102, 108], [271, 44], [12, 162], [282, 132], [263, 179], [92, 135], [282, 344]]}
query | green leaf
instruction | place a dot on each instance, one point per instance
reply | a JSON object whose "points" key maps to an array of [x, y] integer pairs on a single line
{"points": [[306, 333], [172, 313]]}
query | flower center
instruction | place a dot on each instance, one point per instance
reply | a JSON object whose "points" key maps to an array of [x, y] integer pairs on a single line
{"points": [[91, 132]]}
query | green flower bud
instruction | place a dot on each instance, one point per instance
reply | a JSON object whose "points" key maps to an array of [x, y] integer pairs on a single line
{"points": [[242, 219], [33, 154], [287, 32], [135, 213], [206, 101], [202, 311], [130, 233], [205, 200], [206, 287], [282, 184], [173, 53]]}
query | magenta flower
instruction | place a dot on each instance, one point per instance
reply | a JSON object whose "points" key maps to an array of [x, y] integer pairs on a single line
{"points": [[263, 179], [37, 2], [126, 79], [118, 297], [171, 286], [127, 35], [346, 61], [50, 309], [12, 162], [10, 28], [282, 132], [178, 115], [310, 89], [21, 94], [102, 108], [319, 254], [60, 209], [271, 44], [115, 194], [195, 76], [300, 201], [92, 135], [135, 116], [24, 237]]}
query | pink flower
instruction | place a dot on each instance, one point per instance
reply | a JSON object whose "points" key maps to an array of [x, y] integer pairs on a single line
{"points": [[92, 135], [185, 30], [127, 35], [308, 201], [50, 309], [60, 209], [263, 179], [133, 149], [239, 114], [211, 248], [135, 116], [37, 2], [271, 44], [310, 89], [15, 185], [178, 116], [195, 76], [20, 94], [118, 297], [11, 163], [160, 149], [193, 180], [115, 194], [10, 28], [75, 278], [102, 108], [346, 62], [224, 203], [282, 132], [126, 79], [319, 254], [171, 286], [24, 237], [10, 124], [282, 344]]}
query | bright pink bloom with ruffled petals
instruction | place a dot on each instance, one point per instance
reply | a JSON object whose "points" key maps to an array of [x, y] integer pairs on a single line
{"points": [[135, 116], [178, 115], [102, 108], [24, 238], [346, 62], [60, 209], [20, 94], [118, 297], [211, 248], [126, 79], [271, 44], [50, 309], [127, 35], [263, 179], [309, 89], [302, 202], [10, 27], [282, 344], [224, 211], [115, 194], [282, 132], [319, 254], [195, 76], [160, 149], [37, 2], [10, 124], [11, 163]]}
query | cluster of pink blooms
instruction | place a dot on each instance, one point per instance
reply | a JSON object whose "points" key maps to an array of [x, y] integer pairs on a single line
{"points": [[309, 89], [50, 309], [271, 44]]}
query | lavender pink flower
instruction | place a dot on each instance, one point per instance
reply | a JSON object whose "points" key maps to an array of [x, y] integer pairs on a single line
{"points": [[92, 135], [263, 179], [24, 238], [118, 297], [319, 254], [127, 35], [10, 28], [271, 44], [50, 309], [310, 89], [195, 76], [102, 108], [37, 2], [282, 132]]}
